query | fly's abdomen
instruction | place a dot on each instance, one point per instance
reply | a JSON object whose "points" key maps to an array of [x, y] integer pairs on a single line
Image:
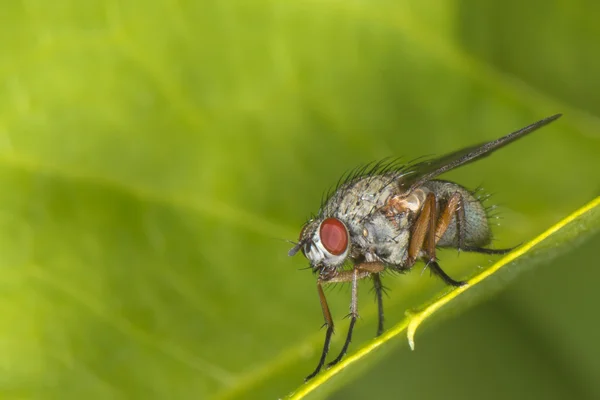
{"points": [[476, 229]]}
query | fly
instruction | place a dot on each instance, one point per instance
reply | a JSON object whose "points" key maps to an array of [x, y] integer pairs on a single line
{"points": [[388, 217]]}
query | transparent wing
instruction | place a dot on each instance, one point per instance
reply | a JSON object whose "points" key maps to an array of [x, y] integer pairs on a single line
{"points": [[424, 171]]}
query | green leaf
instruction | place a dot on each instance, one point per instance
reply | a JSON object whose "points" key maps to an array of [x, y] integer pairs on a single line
{"points": [[156, 155], [570, 231]]}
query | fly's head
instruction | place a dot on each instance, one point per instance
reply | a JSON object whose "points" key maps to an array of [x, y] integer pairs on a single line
{"points": [[325, 242]]}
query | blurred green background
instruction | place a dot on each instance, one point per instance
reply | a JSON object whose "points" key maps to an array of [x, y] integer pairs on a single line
{"points": [[155, 156]]}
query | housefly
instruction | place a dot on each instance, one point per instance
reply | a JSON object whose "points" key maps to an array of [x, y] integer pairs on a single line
{"points": [[388, 216]]}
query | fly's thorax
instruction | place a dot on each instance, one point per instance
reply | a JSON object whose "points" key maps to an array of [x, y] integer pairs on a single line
{"points": [[375, 234], [387, 238], [388, 231], [356, 201]]}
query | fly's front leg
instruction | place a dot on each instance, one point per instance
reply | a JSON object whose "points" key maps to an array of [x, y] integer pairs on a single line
{"points": [[360, 271], [328, 323]]}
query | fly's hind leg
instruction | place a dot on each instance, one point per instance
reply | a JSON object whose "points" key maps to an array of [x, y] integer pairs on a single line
{"points": [[428, 229], [483, 250], [437, 270], [455, 206]]}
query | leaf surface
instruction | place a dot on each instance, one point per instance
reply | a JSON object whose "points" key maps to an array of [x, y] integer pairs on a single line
{"points": [[156, 155]]}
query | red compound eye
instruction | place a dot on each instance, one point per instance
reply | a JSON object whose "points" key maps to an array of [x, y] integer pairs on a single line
{"points": [[334, 236]]}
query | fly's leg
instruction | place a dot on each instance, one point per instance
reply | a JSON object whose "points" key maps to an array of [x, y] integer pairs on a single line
{"points": [[420, 228], [328, 323], [483, 250], [427, 231], [360, 271], [437, 270], [378, 286], [353, 317], [455, 207]]}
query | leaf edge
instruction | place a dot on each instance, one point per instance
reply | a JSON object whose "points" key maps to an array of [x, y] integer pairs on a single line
{"points": [[414, 319]]}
